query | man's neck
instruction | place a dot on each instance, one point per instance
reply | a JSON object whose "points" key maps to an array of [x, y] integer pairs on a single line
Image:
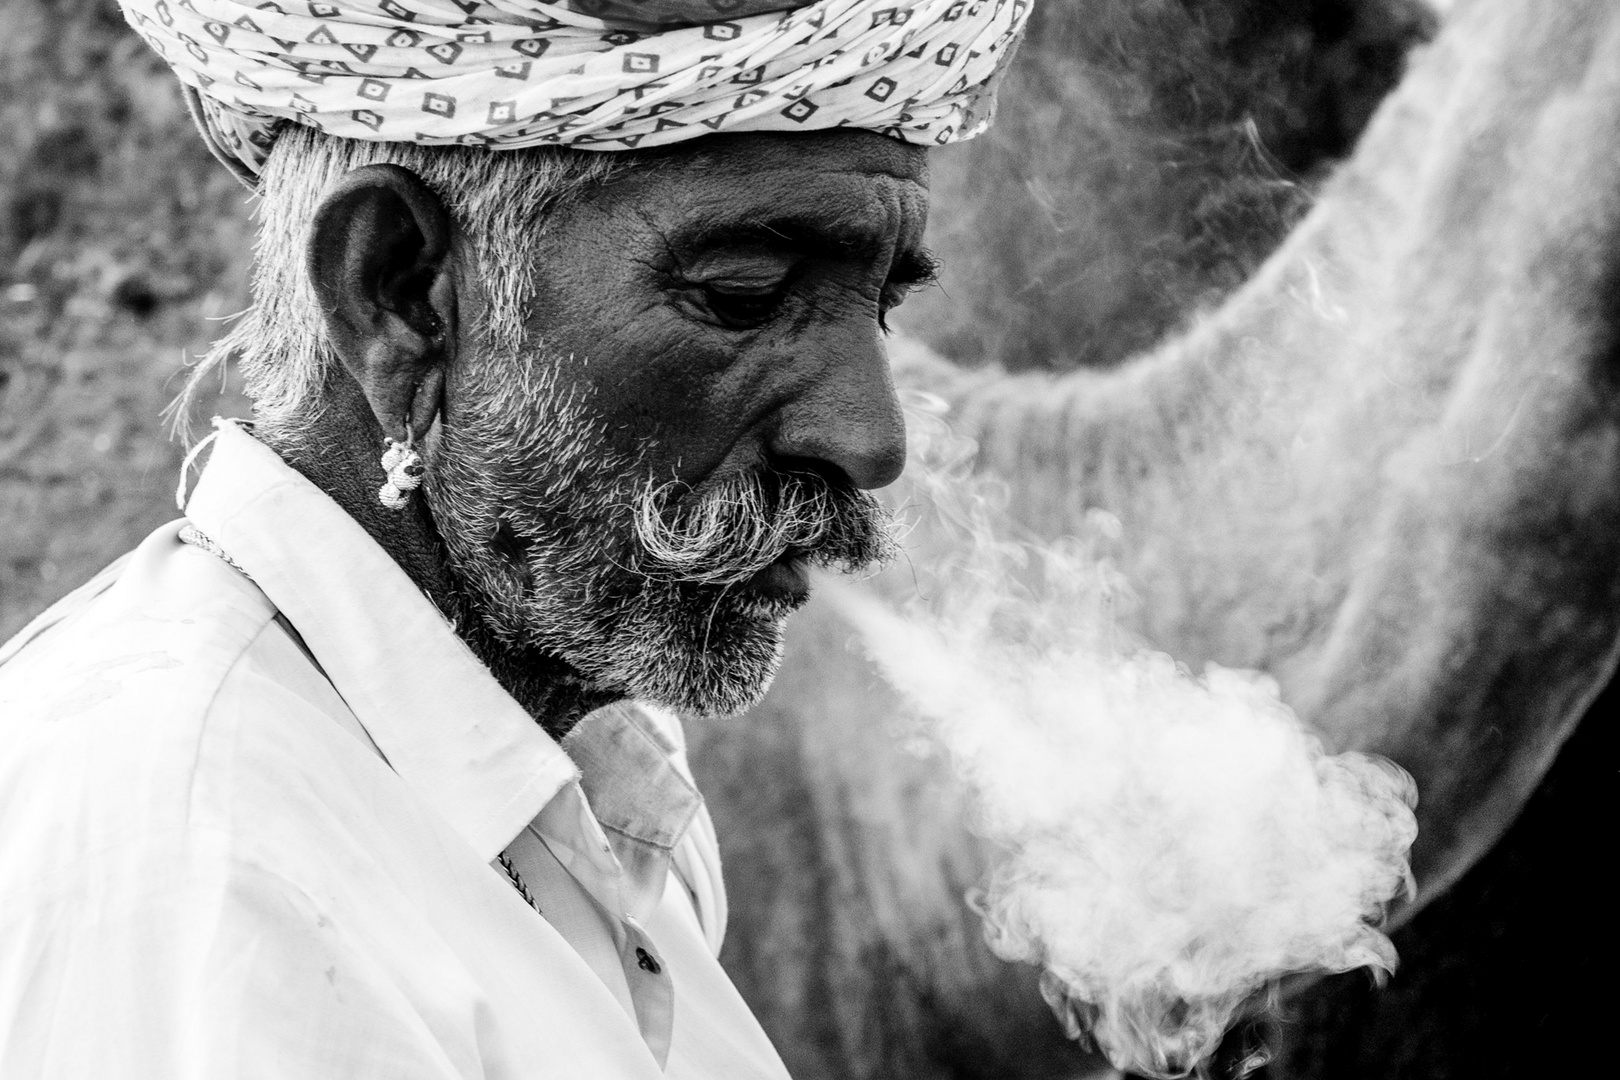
{"points": [[337, 454]]}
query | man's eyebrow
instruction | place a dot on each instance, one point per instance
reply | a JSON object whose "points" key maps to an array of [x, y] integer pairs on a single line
{"points": [[912, 266], [799, 234]]}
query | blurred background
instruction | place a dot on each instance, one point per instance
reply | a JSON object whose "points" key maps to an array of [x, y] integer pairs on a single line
{"points": [[1150, 153]]}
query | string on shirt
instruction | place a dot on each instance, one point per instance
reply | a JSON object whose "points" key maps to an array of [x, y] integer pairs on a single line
{"points": [[517, 883]]}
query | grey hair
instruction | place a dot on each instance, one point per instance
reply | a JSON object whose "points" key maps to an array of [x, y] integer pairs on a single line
{"points": [[730, 533], [498, 198]]}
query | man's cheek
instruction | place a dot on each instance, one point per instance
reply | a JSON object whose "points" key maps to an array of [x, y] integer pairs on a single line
{"points": [[667, 380]]}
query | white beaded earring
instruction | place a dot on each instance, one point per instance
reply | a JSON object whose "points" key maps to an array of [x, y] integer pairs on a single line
{"points": [[404, 468]]}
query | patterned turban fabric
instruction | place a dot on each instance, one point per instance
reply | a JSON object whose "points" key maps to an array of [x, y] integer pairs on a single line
{"points": [[595, 74]]}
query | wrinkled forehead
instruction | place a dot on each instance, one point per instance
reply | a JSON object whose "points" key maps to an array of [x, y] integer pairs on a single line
{"points": [[811, 151], [854, 189]]}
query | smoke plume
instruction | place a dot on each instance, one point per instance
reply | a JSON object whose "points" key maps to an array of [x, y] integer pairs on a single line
{"points": [[1171, 843]]}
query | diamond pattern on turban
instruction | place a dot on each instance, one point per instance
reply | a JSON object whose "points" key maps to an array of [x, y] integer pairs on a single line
{"points": [[597, 74]]}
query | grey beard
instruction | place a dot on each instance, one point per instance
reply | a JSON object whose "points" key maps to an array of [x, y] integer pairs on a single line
{"points": [[567, 548]]}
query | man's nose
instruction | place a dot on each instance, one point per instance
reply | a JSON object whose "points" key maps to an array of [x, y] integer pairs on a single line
{"points": [[849, 417]]}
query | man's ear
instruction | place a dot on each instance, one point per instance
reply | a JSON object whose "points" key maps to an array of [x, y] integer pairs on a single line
{"points": [[379, 257]]}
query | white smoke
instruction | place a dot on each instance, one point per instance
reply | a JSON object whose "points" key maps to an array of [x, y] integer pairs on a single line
{"points": [[1172, 843]]}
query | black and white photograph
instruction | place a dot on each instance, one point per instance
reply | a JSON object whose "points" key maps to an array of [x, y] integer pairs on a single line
{"points": [[816, 539]]}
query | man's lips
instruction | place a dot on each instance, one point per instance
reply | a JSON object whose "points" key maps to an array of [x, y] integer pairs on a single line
{"points": [[786, 579]]}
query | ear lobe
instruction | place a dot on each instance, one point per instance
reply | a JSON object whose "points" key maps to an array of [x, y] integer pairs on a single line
{"points": [[379, 258]]}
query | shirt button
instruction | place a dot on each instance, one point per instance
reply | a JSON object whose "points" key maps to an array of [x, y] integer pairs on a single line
{"points": [[646, 962]]}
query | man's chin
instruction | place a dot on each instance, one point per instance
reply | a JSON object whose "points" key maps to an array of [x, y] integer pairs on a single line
{"points": [[714, 667], [711, 701]]}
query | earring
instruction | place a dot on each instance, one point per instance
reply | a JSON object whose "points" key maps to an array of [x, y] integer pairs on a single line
{"points": [[404, 468]]}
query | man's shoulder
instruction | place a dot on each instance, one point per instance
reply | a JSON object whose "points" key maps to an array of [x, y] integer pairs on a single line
{"points": [[109, 693], [154, 634]]}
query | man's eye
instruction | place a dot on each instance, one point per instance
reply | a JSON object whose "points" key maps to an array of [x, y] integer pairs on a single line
{"points": [[741, 309]]}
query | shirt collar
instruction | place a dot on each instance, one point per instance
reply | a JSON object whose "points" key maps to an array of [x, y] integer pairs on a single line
{"points": [[434, 711], [616, 829], [625, 753]]}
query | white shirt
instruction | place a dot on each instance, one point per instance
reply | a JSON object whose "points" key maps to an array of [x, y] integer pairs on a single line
{"points": [[224, 856]]}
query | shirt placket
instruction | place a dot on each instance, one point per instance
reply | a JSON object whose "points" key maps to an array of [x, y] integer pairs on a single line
{"points": [[576, 839]]}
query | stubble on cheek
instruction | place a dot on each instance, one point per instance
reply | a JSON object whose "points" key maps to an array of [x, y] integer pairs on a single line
{"points": [[538, 521]]}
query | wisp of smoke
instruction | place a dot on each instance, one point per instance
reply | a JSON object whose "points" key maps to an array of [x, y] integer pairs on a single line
{"points": [[1172, 844]]}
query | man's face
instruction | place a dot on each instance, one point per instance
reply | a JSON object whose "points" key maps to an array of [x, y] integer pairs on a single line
{"points": [[702, 400]]}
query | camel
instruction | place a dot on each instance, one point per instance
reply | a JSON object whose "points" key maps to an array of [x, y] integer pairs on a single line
{"points": [[1382, 471]]}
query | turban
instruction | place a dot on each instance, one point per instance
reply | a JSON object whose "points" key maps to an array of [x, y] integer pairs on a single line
{"points": [[595, 74]]}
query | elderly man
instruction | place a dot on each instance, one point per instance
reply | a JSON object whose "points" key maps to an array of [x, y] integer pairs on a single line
{"points": [[364, 767]]}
